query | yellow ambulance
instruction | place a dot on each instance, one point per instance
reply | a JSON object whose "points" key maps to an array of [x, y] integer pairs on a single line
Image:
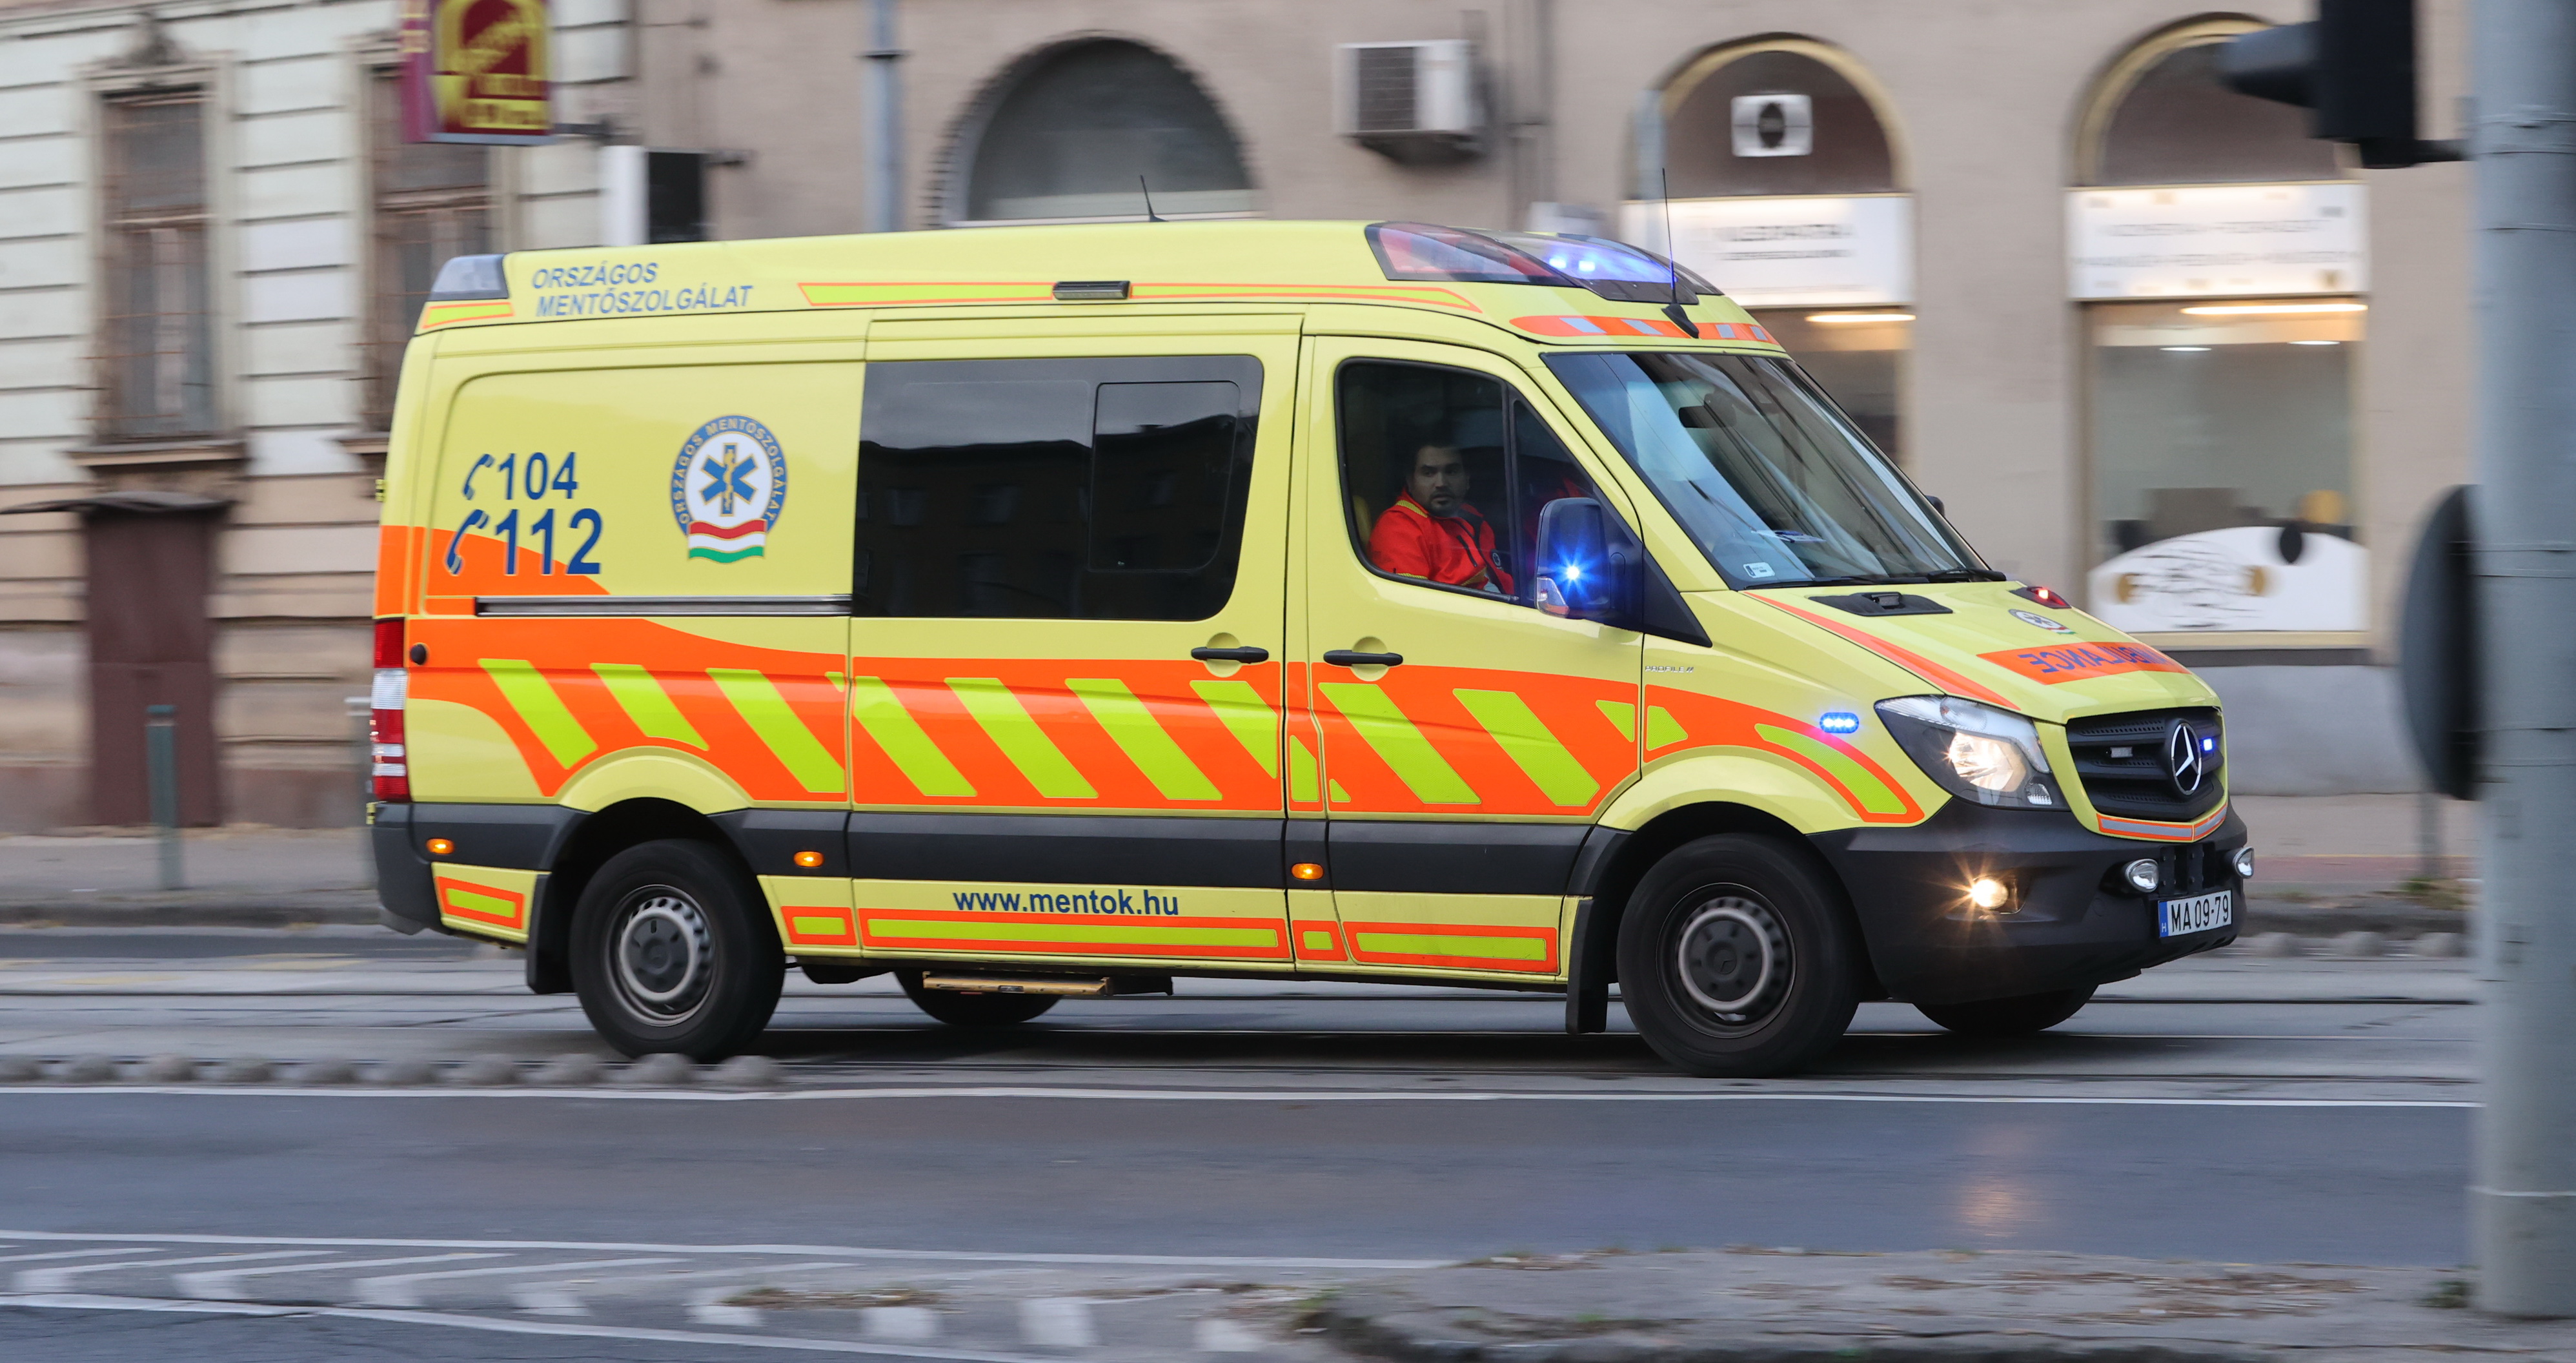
{"points": [[1056, 612]]}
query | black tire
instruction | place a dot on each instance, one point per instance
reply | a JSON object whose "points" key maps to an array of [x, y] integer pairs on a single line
{"points": [[973, 1010], [1738, 958], [2022, 1016], [673, 950]]}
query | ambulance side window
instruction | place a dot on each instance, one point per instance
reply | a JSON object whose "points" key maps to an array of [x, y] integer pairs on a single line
{"points": [[1444, 472], [1096, 489]]}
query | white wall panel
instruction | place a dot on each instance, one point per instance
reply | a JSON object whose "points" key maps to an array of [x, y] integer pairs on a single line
{"points": [[293, 191], [52, 260], [50, 160], [319, 295], [296, 244], [323, 401], [281, 139], [300, 348]]}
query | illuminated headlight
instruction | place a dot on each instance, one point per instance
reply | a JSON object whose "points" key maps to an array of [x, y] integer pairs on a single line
{"points": [[2143, 875], [2245, 863], [1988, 755]]}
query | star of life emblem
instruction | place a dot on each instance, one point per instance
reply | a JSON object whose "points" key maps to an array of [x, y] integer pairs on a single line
{"points": [[727, 489]]}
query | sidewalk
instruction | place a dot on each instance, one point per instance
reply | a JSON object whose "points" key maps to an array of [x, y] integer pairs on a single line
{"points": [[1782, 1304], [2329, 858]]}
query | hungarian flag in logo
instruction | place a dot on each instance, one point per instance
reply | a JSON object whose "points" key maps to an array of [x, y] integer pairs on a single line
{"points": [[727, 489]]}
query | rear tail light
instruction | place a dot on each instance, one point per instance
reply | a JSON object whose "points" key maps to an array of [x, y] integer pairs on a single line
{"points": [[391, 772]]}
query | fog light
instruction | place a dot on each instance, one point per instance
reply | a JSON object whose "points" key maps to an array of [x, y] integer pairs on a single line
{"points": [[1988, 893], [2143, 875], [2245, 862]]}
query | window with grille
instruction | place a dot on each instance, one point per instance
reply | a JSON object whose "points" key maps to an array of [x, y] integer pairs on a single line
{"points": [[433, 200], [156, 357]]}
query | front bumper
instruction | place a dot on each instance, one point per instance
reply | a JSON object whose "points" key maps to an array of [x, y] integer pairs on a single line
{"points": [[2069, 929]]}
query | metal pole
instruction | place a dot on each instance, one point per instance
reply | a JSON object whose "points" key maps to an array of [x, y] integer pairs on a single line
{"points": [[161, 762], [884, 103], [2523, 1201]]}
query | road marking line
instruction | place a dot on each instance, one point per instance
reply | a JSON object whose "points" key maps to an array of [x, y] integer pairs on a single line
{"points": [[1264, 1096], [1057, 1323], [60, 1254], [1217, 1335], [56, 1279], [548, 1301], [219, 1285], [81, 1301], [916, 1323], [782, 1251], [403, 1289]]}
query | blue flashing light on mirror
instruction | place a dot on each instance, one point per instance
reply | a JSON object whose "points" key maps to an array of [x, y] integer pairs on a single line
{"points": [[2209, 745], [1839, 722]]}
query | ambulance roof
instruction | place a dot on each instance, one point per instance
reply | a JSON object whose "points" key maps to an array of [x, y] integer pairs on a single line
{"points": [[1550, 287]]}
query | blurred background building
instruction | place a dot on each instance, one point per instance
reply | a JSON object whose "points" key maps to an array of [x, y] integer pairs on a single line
{"points": [[2151, 344]]}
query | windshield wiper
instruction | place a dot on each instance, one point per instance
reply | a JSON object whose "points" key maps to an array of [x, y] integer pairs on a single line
{"points": [[1966, 575]]}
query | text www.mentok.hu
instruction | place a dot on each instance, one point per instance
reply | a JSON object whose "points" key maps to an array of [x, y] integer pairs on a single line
{"points": [[1139, 902]]}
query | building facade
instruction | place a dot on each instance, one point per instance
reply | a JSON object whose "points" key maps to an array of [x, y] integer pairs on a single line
{"points": [[213, 243], [2151, 345]]}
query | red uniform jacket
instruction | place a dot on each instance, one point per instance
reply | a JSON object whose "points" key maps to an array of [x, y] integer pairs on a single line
{"points": [[1457, 551]]}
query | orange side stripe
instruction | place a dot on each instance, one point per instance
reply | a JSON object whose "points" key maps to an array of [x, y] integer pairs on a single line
{"points": [[1905, 658]]}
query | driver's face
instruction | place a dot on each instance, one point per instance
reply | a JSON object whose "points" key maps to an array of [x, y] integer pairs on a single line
{"points": [[1438, 480]]}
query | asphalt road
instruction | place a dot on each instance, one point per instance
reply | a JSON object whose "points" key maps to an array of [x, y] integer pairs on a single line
{"points": [[2234, 1110]]}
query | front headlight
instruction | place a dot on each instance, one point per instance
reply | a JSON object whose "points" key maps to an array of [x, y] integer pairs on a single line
{"points": [[1988, 755]]}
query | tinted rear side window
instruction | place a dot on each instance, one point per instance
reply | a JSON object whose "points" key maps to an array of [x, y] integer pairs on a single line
{"points": [[1093, 489]]}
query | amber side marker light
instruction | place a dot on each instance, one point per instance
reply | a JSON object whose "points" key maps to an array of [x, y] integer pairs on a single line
{"points": [[809, 859], [1307, 870], [439, 847]]}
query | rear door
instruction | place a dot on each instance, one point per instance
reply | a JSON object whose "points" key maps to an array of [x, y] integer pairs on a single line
{"points": [[1458, 783], [1057, 522]]}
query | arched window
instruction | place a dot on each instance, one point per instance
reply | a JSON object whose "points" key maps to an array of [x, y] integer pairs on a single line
{"points": [[2218, 253], [1787, 193], [1073, 134], [1728, 134]]}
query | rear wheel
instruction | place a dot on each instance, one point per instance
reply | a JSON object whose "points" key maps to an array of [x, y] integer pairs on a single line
{"points": [[2020, 1016], [1737, 958], [673, 950], [973, 1010]]}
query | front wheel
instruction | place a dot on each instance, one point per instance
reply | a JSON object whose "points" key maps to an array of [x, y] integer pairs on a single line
{"points": [[2021, 1016], [973, 1010], [673, 950], [1738, 959]]}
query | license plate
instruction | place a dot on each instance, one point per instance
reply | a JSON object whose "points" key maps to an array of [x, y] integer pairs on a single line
{"points": [[2200, 913]]}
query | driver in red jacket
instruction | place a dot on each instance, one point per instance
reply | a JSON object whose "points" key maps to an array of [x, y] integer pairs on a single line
{"points": [[1433, 534]]}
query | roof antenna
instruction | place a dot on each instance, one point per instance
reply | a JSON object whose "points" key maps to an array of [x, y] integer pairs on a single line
{"points": [[1673, 258], [1150, 215]]}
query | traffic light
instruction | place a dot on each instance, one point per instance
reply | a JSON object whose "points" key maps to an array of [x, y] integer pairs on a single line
{"points": [[2354, 64]]}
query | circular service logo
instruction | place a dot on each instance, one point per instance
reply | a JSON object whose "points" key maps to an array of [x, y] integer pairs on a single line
{"points": [[727, 489], [2031, 618]]}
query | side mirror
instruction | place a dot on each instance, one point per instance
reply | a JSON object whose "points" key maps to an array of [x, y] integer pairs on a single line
{"points": [[1937, 504], [1585, 567]]}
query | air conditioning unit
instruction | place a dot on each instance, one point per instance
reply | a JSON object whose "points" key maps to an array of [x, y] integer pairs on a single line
{"points": [[1411, 102]]}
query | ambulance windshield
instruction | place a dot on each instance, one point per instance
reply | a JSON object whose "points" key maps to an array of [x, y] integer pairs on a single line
{"points": [[1776, 485]]}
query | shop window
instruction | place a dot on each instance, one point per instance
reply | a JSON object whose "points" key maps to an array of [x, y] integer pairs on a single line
{"points": [[433, 201], [156, 359], [2222, 481], [1054, 489], [1092, 126], [2224, 320], [1445, 473], [1787, 194]]}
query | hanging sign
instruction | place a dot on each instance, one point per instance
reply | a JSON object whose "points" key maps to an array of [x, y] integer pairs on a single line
{"points": [[2217, 241], [477, 71], [1789, 252]]}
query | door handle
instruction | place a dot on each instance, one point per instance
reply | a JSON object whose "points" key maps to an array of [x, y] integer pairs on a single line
{"points": [[1231, 655], [1343, 657]]}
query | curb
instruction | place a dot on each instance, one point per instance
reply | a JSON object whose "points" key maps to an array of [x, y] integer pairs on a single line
{"points": [[575, 1070], [181, 909], [1417, 1336]]}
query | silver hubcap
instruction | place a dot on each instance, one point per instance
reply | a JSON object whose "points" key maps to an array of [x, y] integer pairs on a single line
{"points": [[662, 951], [1734, 959]]}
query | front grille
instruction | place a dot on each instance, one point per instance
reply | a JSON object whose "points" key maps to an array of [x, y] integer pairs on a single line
{"points": [[2120, 762]]}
